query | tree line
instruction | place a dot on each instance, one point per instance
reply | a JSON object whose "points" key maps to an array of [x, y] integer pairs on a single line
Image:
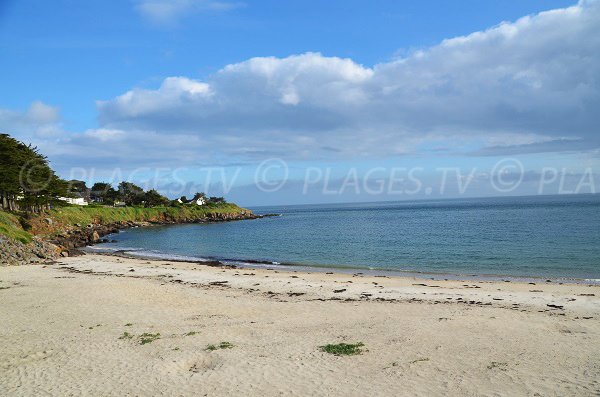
{"points": [[27, 183]]}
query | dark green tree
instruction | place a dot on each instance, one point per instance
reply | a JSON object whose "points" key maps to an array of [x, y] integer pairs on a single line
{"points": [[26, 180], [216, 200], [104, 192], [130, 193], [152, 198]]}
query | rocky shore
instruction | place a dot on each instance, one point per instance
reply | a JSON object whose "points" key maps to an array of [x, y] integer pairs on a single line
{"points": [[67, 240], [17, 253]]}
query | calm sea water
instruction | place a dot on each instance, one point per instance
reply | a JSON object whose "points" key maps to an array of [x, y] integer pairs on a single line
{"points": [[544, 236]]}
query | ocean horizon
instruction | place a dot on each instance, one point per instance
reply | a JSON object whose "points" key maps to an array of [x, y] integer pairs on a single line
{"points": [[523, 237]]}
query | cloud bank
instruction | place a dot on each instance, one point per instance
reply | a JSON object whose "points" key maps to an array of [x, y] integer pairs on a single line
{"points": [[521, 87], [527, 86]]}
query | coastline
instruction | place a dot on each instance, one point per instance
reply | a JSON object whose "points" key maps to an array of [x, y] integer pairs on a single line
{"points": [[63, 232], [98, 249], [421, 337]]}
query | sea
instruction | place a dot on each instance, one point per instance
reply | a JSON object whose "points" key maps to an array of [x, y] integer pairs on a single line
{"points": [[556, 237]]}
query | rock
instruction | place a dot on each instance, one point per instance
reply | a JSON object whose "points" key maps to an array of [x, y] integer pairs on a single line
{"points": [[64, 254], [48, 221], [95, 237]]}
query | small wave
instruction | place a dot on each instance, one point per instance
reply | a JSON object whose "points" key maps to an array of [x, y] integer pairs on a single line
{"points": [[161, 255]]}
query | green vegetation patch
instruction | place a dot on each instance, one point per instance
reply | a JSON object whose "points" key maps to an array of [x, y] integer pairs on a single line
{"points": [[126, 335], [148, 338], [10, 226], [343, 349], [94, 214], [222, 345]]}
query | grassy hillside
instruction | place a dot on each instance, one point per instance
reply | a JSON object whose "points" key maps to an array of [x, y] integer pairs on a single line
{"points": [[11, 228], [56, 219], [92, 214]]}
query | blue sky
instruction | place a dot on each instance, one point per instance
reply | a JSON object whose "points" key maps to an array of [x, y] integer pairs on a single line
{"points": [[335, 84]]}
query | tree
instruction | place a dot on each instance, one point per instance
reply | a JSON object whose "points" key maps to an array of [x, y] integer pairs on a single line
{"points": [[26, 179], [78, 189], [216, 200], [131, 194], [154, 199], [104, 192]]}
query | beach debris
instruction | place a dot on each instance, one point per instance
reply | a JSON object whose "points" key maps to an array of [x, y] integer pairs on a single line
{"points": [[498, 365], [419, 360], [555, 306], [337, 291], [222, 345]]}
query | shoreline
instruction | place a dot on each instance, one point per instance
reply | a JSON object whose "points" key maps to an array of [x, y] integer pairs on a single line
{"points": [[497, 293], [97, 249]]}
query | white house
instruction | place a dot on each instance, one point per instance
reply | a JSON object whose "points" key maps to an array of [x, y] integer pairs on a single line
{"points": [[74, 201], [198, 200], [201, 200]]}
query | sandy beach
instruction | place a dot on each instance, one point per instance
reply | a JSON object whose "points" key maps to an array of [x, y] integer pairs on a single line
{"points": [[76, 328]]}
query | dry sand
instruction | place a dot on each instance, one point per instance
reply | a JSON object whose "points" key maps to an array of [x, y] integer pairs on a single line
{"points": [[60, 329]]}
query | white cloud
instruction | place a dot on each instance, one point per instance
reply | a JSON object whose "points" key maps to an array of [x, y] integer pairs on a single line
{"points": [[41, 113], [528, 84], [167, 12], [39, 119], [104, 135]]}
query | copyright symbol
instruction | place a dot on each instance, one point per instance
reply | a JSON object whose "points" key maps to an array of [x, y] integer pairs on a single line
{"points": [[34, 176], [507, 175], [271, 166]]}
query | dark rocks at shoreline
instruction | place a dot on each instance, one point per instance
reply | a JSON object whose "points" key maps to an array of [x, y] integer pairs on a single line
{"points": [[67, 242], [16, 253]]}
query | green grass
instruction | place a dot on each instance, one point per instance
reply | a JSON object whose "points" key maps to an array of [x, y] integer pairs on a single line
{"points": [[148, 338], [126, 335], [222, 345], [11, 228], [343, 349], [191, 333], [93, 214]]}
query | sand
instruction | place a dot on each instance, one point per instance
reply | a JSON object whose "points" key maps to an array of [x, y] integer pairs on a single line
{"points": [[62, 327]]}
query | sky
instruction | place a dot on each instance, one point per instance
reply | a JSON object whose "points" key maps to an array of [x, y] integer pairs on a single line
{"points": [[290, 102]]}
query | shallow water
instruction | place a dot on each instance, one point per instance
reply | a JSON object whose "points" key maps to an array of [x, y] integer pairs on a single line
{"points": [[543, 236]]}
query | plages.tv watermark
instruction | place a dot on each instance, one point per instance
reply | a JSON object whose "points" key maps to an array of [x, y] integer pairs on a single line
{"points": [[505, 176]]}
